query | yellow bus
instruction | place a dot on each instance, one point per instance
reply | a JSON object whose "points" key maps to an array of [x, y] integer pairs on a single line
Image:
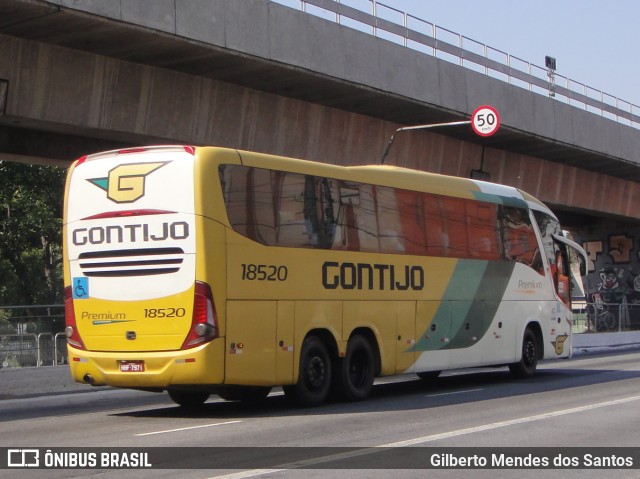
{"points": [[203, 270]]}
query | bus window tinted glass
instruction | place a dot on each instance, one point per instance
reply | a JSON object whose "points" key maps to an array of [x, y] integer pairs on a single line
{"points": [[287, 209]]}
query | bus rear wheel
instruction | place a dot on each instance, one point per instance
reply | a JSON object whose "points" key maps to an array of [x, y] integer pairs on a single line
{"points": [[356, 371], [526, 367], [188, 399], [314, 376]]}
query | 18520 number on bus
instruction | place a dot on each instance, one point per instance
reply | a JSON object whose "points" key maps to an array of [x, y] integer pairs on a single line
{"points": [[264, 272]]}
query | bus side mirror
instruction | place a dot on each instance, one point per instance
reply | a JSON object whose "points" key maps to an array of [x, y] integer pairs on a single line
{"points": [[576, 255], [583, 266]]}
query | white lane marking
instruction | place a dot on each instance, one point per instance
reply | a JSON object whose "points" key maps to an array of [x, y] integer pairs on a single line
{"points": [[431, 438], [244, 474], [188, 428], [522, 420], [454, 392]]}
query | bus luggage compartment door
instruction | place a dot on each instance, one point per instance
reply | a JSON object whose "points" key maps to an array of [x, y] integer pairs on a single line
{"points": [[251, 343]]}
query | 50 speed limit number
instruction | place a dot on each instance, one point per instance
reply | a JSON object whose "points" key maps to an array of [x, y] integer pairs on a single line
{"points": [[485, 120]]}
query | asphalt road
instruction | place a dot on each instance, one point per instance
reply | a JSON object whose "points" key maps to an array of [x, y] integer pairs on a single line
{"points": [[586, 402]]}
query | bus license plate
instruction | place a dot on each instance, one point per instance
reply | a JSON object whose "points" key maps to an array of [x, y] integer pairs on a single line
{"points": [[131, 366]]}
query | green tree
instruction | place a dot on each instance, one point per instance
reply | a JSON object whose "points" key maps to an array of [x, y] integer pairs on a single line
{"points": [[31, 199]]}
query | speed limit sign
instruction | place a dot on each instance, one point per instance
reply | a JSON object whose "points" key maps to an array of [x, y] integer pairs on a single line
{"points": [[485, 120]]}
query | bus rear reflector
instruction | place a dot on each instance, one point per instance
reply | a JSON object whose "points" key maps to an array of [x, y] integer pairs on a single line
{"points": [[139, 149], [128, 151], [71, 330], [204, 323], [128, 214]]}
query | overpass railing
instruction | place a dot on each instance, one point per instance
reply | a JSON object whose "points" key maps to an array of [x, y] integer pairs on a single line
{"points": [[384, 21]]}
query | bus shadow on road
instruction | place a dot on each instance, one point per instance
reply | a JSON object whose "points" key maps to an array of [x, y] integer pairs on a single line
{"points": [[402, 393]]}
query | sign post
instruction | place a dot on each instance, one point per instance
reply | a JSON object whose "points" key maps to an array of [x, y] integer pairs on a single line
{"points": [[485, 121]]}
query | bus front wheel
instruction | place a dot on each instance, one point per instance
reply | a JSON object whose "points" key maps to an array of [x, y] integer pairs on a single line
{"points": [[188, 399], [528, 363], [314, 376]]}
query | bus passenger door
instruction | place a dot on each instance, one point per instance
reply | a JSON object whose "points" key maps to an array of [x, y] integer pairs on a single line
{"points": [[570, 260], [561, 317], [251, 343], [561, 280]]}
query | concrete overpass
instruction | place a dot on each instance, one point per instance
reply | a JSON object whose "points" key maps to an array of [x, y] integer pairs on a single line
{"points": [[85, 75], [77, 76]]}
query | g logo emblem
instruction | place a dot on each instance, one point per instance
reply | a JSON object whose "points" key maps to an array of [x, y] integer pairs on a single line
{"points": [[126, 183]]}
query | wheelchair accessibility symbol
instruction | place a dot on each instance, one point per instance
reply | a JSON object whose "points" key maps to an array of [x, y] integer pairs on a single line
{"points": [[80, 287]]}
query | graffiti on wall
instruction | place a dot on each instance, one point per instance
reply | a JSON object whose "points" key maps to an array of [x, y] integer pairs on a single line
{"points": [[614, 268]]}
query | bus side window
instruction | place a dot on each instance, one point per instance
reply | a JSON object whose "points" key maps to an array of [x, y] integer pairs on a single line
{"points": [[357, 221], [263, 221], [436, 235], [519, 239], [482, 230], [318, 212], [453, 213], [390, 229]]}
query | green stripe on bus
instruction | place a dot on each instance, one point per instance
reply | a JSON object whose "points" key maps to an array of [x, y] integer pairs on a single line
{"points": [[467, 329], [464, 321], [501, 200]]}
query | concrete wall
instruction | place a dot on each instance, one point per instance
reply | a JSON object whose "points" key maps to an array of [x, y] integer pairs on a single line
{"points": [[276, 33], [132, 102], [121, 100]]}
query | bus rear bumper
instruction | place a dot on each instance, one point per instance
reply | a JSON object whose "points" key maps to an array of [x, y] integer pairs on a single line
{"points": [[152, 370]]}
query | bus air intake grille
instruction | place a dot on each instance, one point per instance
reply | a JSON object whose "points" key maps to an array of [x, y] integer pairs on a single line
{"points": [[131, 262]]}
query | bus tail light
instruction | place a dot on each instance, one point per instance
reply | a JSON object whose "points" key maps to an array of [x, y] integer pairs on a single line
{"points": [[71, 330], [204, 324]]}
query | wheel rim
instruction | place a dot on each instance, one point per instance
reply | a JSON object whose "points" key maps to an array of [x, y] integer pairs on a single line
{"points": [[529, 353], [315, 373]]}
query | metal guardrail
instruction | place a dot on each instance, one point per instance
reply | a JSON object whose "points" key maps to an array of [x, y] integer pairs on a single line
{"points": [[394, 25], [22, 350], [601, 317], [32, 336]]}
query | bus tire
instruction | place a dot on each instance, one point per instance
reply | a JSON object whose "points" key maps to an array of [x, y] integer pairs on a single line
{"points": [[245, 393], [314, 376], [526, 367], [188, 399], [356, 371]]}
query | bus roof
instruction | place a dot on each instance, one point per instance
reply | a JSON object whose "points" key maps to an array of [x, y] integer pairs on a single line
{"points": [[383, 175]]}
